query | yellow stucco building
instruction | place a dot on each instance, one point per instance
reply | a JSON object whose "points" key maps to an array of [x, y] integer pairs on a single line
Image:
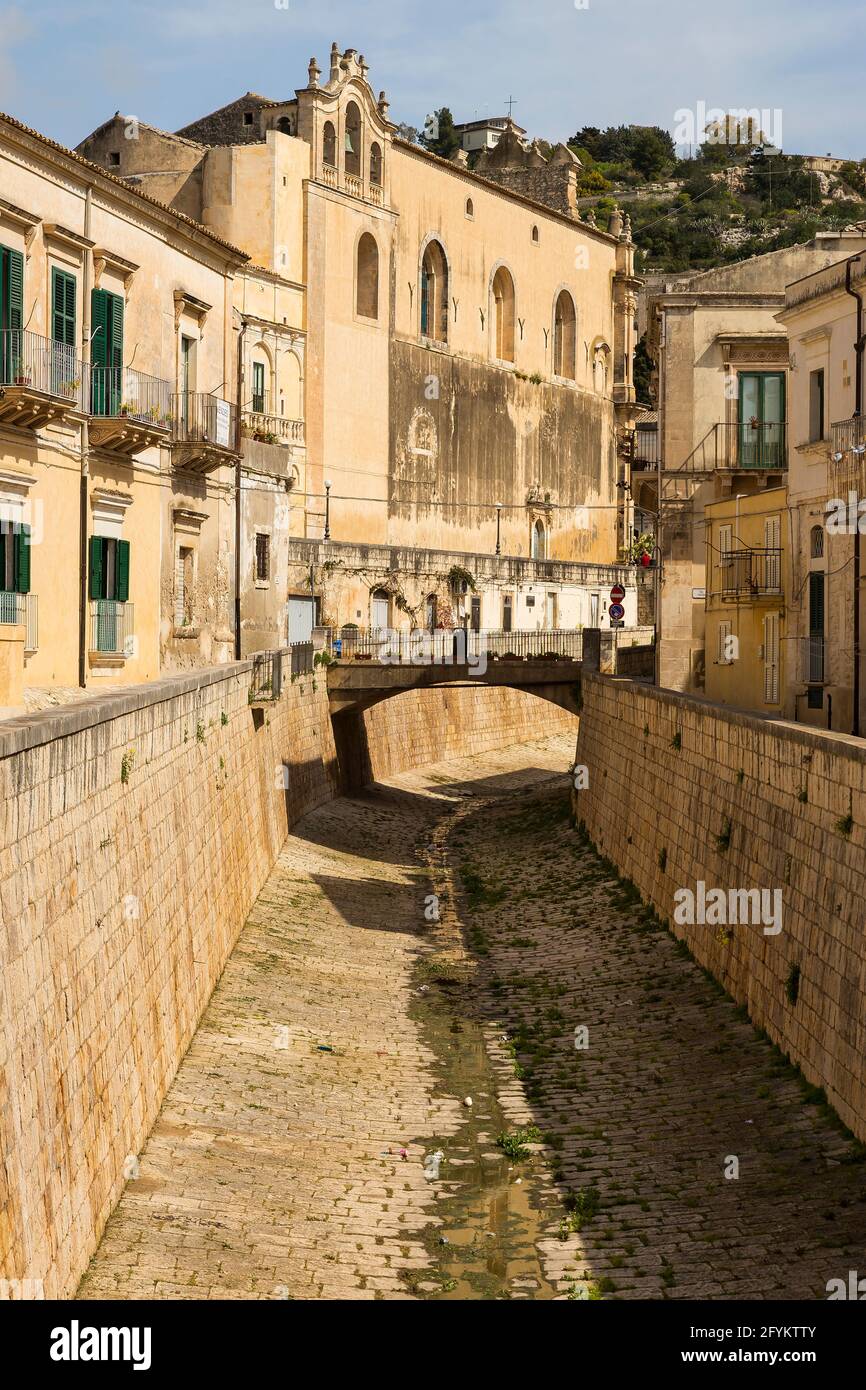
{"points": [[747, 567], [118, 427], [466, 353]]}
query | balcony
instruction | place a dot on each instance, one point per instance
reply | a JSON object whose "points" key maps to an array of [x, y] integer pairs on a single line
{"points": [[40, 380], [749, 446], [646, 451], [129, 410], [260, 424], [111, 629], [21, 610], [848, 456], [750, 575], [204, 432]]}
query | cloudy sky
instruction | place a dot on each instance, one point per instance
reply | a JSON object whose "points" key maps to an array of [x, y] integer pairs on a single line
{"points": [[65, 67]]}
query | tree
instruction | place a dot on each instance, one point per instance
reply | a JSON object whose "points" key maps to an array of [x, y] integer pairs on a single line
{"points": [[644, 149], [408, 132], [642, 370], [443, 138], [651, 151]]}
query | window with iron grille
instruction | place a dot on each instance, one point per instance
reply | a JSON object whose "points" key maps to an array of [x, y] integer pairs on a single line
{"points": [[263, 557]]}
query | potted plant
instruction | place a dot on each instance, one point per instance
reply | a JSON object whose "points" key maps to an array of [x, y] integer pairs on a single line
{"points": [[23, 374]]}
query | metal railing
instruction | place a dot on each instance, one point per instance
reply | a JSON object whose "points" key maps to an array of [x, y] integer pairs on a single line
{"points": [[12, 607], [848, 457], [267, 677], [455, 645], [302, 658], [751, 573], [111, 626], [849, 434], [811, 651], [198, 418], [40, 364], [646, 449], [117, 392], [271, 667], [744, 445]]}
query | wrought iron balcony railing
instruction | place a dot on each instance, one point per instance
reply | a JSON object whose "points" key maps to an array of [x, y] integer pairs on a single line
{"points": [[848, 456], [747, 445], [751, 574], [811, 660], [33, 367], [646, 450], [203, 419], [123, 393], [111, 627]]}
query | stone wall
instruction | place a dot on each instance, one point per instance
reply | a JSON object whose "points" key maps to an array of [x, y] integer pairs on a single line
{"points": [[681, 790], [412, 729], [137, 829]]}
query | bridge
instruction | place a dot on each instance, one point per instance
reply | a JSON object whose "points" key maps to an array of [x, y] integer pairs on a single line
{"points": [[366, 668], [374, 667]]}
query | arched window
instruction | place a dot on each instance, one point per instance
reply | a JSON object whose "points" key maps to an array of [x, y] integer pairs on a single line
{"points": [[434, 293], [430, 612], [470, 208], [535, 236], [564, 336], [367, 280], [329, 145], [376, 163], [503, 315], [284, 125], [816, 543], [539, 541], [353, 139], [599, 372]]}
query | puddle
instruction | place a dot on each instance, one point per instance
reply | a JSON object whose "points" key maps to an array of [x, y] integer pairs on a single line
{"points": [[489, 1205]]}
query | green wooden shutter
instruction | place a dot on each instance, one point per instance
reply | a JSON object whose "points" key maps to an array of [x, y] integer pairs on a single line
{"points": [[15, 300], [99, 328], [97, 550], [99, 344], [63, 307], [22, 560], [116, 330], [121, 582]]}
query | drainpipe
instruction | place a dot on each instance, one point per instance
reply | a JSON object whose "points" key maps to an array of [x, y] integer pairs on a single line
{"points": [[238, 479], [86, 284], [858, 410]]}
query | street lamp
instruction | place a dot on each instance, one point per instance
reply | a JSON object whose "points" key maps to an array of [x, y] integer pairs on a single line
{"points": [[327, 511], [498, 506]]}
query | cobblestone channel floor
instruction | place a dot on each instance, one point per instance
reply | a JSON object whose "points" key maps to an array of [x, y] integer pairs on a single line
{"points": [[349, 1030]]}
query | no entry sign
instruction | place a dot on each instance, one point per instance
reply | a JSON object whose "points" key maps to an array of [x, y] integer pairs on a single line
{"points": [[617, 593]]}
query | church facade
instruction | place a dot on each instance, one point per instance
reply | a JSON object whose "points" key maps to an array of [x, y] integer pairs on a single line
{"points": [[434, 363]]}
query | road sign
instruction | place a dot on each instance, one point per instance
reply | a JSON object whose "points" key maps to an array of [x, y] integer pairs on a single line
{"points": [[616, 612], [617, 593]]}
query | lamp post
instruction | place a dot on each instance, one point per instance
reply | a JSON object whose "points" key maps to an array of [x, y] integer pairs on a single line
{"points": [[498, 506], [327, 511]]}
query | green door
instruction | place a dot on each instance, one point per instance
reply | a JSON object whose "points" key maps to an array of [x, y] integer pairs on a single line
{"points": [[106, 352], [64, 381], [761, 441]]}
